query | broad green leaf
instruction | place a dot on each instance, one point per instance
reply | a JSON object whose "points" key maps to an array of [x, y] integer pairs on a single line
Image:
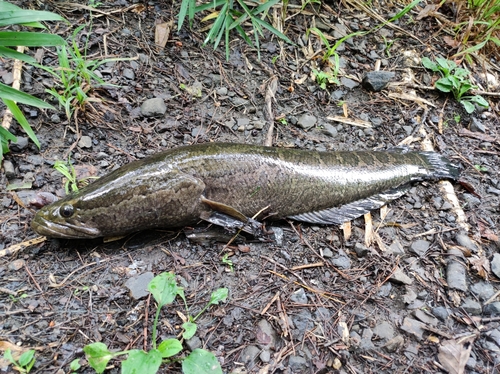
{"points": [[19, 16], [431, 65], [455, 82], [75, 365], [464, 88], [21, 119], [164, 288], [218, 295], [189, 330], [29, 39], [98, 356], [201, 361], [444, 84], [26, 358], [469, 107], [479, 100], [169, 347], [10, 53], [140, 362], [446, 65], [10, 93]]}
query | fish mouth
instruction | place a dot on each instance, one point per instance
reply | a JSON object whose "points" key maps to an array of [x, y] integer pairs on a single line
{"points": [[50, 229]]}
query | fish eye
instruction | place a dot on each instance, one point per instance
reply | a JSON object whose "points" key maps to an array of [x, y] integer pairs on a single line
{"points": [[66, 211]]}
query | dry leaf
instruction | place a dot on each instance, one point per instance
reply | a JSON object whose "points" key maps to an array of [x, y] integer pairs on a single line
{"points": [[162, 32], [481, 265], [453, 354], [453, 43], [427, 11]]}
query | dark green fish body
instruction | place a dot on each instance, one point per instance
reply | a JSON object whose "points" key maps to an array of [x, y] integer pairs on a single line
{"points": [[176, 187]]}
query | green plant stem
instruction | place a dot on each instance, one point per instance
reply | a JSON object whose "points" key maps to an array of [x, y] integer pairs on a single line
{"points": [[155, 322]]}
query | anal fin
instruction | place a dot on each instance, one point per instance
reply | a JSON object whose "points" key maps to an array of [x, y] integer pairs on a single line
{"points": [[351, 211]]}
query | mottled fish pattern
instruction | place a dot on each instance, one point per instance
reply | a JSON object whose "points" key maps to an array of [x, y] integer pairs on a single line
{"points": [[176, 187]]}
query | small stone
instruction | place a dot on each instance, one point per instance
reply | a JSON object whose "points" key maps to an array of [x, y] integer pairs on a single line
{"points": [[492, 309], [425, 318], [8, 168], [299, 296], [266, 335], [471, 306], [16, 264], [495, 264], [349, 83], [297, 364], [377, 80], [456, 275], [465, 241], [258, 125], [193, 343], [303, 322], [249, 354], [153, 107], [85, 142], [395, 248], [483, 290], [138, 286], [19, 145], [400, 278], [329, 130], [8, 78], [413, 327], [441, 312], [238, 101], [477, 126], [327, 253], [394, 344], [128, 73], [222, 91], [55, 118], [306, 121], [342, 262], [384, 330], [361, 250], [242, 121], [420, 247], [265, 356]]}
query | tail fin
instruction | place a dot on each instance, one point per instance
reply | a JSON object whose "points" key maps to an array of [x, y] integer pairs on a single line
{"points": [[441, 167]]}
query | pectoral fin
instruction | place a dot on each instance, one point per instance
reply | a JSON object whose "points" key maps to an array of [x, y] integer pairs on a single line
{"points": [[225, 209], [348, 212]]}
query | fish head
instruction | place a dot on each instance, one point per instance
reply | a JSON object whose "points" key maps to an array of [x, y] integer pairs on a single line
{"points": [[64, 219]]}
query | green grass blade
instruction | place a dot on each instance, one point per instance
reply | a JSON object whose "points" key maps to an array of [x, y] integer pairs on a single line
{"points": [[10, 93], [29, 39], [185, 5], [21, 119], [215, 31], [14, 17], [210, 5], [10, 53], [406, 9], [273, 30]]}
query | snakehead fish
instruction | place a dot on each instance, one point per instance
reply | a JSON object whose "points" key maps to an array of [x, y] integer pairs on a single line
{"points": [[176, 187]]}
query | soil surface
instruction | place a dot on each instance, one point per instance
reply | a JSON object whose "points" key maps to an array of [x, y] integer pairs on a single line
{"points": [[419, 296]]}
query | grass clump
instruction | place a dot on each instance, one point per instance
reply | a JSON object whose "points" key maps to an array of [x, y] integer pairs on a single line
{"points": [[10, 15], [455, 80], [229, 15], [481, 26], [164, 290], [25, 362]]}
